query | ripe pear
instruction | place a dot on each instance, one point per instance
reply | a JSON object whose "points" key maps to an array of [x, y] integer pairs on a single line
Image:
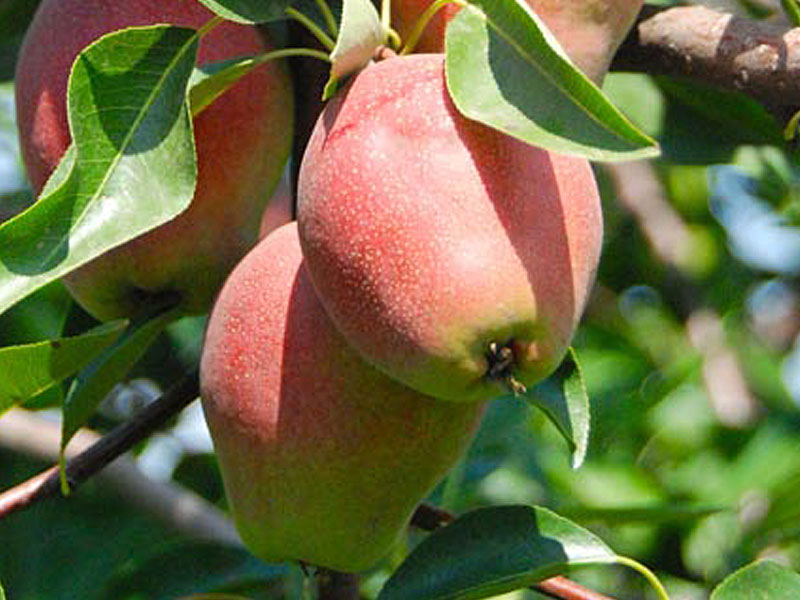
{"points": [[589, 31], [243, 141], [453, 257], [323, 457]]}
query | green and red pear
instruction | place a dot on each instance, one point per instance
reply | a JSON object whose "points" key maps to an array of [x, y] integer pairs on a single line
{"points": [[455, 258], [243, 140], [323, 457]]}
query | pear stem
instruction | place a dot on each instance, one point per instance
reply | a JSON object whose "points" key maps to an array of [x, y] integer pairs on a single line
{"points": [[501, 361], [386, 14]]}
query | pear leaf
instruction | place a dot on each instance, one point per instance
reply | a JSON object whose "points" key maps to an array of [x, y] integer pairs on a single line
{"points": [[505, 70], [132, 165], [491, 551], [189, 569], [563, 398], [765, 580], [29, 369], [208, 82], [93, 383], [248, 11], [360, 34]]}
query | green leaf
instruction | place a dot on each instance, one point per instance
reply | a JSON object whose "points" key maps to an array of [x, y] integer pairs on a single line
{"points": [[360, 34], [209, 82], [2, 592], [248, 11], [184, 569], [792, 10], [763, 580], [491, 551], [96, 381], [502, 71], [29, 369], [132, 166], [563, 398]]}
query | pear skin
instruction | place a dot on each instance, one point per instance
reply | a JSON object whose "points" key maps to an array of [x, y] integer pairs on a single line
{"points": [[453, 257], [323, 457]]}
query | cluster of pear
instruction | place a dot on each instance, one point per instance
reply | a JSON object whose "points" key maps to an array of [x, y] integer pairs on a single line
{"points": [[435, 263], [349, 356]]}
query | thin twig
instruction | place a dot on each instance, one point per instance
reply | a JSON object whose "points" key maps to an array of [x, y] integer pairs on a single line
{"points": [[105, 450], [428, 518], [35, 435]]}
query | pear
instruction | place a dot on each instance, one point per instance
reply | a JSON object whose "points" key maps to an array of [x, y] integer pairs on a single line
{"points": [[455, 258], [243, 141], [323, 457]]}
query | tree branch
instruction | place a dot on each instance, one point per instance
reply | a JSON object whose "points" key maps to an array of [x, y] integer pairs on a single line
{"points": [[103, 451], [32, 434], [758, 58]]}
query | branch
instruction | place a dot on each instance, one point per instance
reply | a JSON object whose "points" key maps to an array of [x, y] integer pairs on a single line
{"points": [[757, 58], [428, 518], [100, 453], [29, 433]]}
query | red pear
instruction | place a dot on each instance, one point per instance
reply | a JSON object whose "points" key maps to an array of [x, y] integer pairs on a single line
{"points": [[450, 255], [243, 140], [323, 457]]}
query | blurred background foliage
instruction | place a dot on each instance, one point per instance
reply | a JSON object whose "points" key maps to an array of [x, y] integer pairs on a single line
{"points": [[689, 348]]}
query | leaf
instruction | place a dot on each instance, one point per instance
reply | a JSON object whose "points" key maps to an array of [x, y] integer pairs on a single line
{"points": [[491, 551], [208, 82], [502, 71], [563, 398], [189, 568], [792, 10], [764, 580], [29, 369], [132, 134], [2, 592], [360, 34], [97, 380], [248, 11]]}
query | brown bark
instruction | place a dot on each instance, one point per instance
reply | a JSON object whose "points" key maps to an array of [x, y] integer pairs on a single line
{"points": [[758, 58]]}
